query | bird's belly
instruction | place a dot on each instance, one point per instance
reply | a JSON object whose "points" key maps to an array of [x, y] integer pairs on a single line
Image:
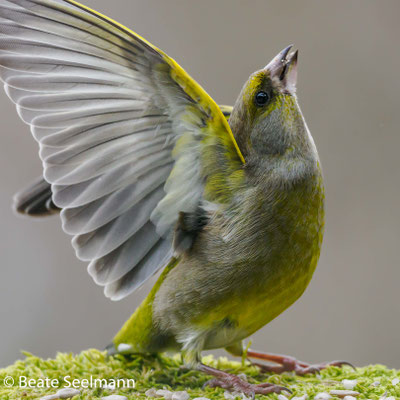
{"points": [[281, 291], [243, 314], [263, 287]]}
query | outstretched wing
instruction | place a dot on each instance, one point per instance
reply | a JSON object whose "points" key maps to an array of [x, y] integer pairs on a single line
{"points": [[36, 199], [127, 138]]}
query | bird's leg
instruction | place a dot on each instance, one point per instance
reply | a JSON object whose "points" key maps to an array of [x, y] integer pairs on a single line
{"points": [[233, 382], [288, 363]]}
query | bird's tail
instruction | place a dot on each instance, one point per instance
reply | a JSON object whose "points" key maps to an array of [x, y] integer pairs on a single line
{"points": [[35, 200]]}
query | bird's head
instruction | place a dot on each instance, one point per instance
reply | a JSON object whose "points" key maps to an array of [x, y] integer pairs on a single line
{"points": [[266, 119]]}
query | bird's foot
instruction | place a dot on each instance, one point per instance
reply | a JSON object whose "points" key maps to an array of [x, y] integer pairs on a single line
{"points": [[235, 383], [291, 364]]}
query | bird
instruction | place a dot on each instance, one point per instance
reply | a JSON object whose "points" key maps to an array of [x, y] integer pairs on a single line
{"points": [[149, 174]]}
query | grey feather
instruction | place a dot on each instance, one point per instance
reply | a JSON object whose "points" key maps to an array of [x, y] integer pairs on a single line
{"points": [[102, 241], [94, 215], [124, 286], [114, 265], [35, 200]]}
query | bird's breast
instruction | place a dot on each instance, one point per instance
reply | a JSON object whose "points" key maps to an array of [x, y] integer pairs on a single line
{"points": [[244, 270], [268, 252], [283, 241]]}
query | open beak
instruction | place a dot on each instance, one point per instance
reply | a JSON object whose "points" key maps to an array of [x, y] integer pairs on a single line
{"points": [[283, 69]]}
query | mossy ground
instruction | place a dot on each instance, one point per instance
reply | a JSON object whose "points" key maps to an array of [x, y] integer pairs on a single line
{"points": [[166, 372]]}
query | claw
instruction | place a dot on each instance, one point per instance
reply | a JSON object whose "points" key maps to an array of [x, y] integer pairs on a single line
{"points": [[340, 364], [207, 383], [283, 389]]}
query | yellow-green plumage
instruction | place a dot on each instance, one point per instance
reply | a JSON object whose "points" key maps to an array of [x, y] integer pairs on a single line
{"points": [[258, 252]]}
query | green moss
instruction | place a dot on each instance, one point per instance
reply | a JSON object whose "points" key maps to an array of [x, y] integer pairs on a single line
{"points": [[167, 372]]}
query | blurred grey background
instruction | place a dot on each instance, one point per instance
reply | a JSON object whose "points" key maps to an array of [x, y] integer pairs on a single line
{"points": [[349, 81]]}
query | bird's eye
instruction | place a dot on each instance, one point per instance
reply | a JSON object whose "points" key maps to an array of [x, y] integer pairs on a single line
{"points": [[261, 98]]}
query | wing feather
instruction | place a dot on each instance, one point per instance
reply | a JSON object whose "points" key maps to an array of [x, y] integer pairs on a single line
{"points": [[92, 216], [103, 240]]}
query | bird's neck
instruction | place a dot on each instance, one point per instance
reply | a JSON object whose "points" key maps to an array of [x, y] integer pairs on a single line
{"points": [[285, 170]]}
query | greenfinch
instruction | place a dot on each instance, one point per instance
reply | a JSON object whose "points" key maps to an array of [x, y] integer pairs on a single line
{"points": [[150, 173]]}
